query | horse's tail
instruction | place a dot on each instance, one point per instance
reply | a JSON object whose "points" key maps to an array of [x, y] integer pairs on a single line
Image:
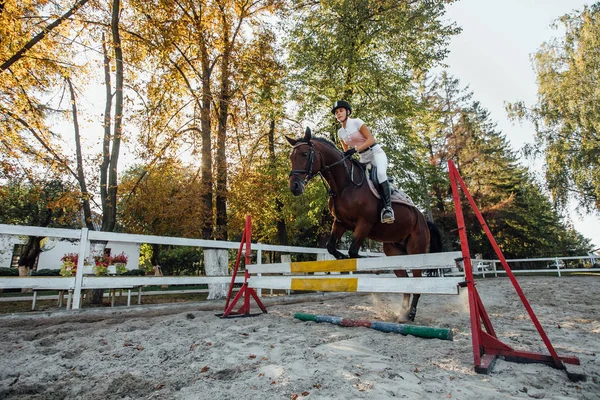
{"points": [[435, 238]]}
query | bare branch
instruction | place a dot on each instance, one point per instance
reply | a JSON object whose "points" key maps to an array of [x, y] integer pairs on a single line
{"points": [[29, 45]]}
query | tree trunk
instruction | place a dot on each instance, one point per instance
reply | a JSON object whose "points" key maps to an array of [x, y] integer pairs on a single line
{"points": [[154, 260], [109, 166], [221, 158], [87, 212], [107, 128], [30, 252], [216, 263], [207, 176], [281, 227], [109, 212], [28, 257]]}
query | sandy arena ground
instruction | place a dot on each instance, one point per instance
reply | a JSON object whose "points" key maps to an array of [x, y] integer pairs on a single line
{"points": [[186, 352]]}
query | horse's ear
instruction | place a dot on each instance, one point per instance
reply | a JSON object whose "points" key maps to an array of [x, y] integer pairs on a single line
{"points": [[291, 141], [307, 134]]}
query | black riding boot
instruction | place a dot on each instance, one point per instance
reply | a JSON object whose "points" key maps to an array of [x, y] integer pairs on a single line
{"points": [[387, 214]]}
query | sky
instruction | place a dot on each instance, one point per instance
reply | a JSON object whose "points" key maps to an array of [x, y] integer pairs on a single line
{"points": [[492, 57]]}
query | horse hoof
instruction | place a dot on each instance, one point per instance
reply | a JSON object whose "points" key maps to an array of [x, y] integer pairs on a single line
{"points": [[412, 314]]}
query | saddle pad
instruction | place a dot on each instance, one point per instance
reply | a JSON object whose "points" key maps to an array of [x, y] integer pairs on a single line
{"points": [[398, 196]]}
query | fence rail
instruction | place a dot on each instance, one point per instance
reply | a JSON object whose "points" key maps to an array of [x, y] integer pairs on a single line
{"points": [[81, 282]]}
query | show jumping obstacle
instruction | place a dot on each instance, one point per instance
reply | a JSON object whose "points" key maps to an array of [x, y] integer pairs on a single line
{"points": [[389, 327], [359, 283], [486, 345], [364, 283]]}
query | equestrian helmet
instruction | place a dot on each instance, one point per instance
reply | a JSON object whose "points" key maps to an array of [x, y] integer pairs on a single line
{"points": [[341, 104]]}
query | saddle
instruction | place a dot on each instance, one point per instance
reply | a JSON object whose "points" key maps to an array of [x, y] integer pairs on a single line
{"points": [[398, 196]]}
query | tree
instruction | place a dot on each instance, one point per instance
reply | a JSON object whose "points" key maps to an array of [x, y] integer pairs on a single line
{"points": [[177, 101], [367, 53], [167, 200], [197, 47], [233, 17], [259, 185], [521, 218], [33, 68], [566, 116], [372, 54], [41, 72], [112, 141], [46, 202], [21, 52]]}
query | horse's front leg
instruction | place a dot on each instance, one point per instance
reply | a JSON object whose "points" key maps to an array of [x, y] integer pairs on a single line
{"points": [[359, 235], [337, 230]]}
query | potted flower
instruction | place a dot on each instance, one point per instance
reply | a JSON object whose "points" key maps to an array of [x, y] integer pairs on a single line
{"points": [[69, 264], [101, 265], [120, 262]]}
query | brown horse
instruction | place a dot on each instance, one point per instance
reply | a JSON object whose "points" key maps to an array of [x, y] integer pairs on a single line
{"points": [[355, 208]]}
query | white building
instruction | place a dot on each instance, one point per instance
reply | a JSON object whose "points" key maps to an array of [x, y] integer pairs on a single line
{"points": [[53, 249]]}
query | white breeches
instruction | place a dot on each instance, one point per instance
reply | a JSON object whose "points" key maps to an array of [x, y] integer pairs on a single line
{"points": [[376, 157]]}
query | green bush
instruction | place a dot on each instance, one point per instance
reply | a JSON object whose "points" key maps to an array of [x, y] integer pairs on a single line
{"points": [[9, 272], [134, 272], [46, 272], [181, 260]]}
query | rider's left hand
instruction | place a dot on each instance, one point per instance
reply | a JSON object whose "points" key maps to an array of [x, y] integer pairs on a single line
{"points": [[349, 152]]}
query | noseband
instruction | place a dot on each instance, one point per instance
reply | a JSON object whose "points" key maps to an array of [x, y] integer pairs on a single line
{"points": [[308, 171]]}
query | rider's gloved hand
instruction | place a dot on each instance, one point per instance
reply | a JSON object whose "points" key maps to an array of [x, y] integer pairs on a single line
{"points": [[349, 152]]}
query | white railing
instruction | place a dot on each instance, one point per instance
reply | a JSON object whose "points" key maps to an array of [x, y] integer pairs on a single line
{"points": [[553, 265], [545, 265], [82, 282]]}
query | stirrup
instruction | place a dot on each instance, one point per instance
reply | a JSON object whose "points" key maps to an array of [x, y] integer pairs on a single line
{"points": [[387, 216]]}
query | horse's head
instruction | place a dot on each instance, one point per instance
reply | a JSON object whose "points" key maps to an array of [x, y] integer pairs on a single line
{"points": [[304, 163]]}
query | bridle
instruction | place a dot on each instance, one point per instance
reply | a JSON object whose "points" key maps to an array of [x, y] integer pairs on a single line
{"points": [[309, 174], [308, 171]]}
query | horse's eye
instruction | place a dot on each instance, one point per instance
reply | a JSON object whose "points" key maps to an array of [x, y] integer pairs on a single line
{"points": [[305, 154]]}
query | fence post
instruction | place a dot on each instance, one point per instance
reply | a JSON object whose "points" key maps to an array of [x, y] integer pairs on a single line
{"points": [[557, 266], [83, 245], [259, 261]]}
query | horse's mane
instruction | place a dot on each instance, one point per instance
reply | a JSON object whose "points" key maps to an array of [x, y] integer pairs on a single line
{"points": [[327, 142], [333, 146]]}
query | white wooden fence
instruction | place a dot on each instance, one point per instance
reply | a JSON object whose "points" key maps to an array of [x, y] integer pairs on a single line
{"points": [[545, 265], [81, 282], [84, 236]]}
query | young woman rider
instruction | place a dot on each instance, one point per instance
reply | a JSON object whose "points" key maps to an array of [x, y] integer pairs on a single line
{"points": [[355, 136]]}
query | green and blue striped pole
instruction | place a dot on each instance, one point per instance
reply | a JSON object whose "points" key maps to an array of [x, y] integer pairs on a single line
{"points": [[403, 329]]}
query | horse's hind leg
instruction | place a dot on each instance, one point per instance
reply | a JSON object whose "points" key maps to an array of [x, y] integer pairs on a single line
{"points": [[417, 243], [400, 273], [417, 273]]}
